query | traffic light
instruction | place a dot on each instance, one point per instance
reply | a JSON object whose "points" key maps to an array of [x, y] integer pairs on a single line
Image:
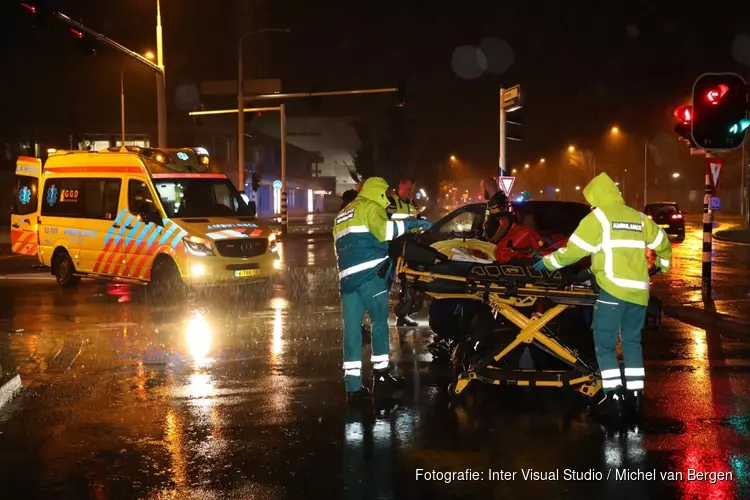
{"points": [[255, 181], [720, 108], [198, 119], [83, 43], [35, 15], [684, 115], [401, 95]]}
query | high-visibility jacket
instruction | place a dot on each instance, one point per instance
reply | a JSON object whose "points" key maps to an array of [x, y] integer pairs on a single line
{"points": [[361, 234], [402, 209], [616, 236]]}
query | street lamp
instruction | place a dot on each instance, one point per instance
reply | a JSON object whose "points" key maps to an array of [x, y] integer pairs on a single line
{"points": [[571, 149], [241, 107], [149, 55], [453, 157], [557, 190], [514, 171], [615, 130], [526, 166], [578, 188], [542, 160], [676, 175]]}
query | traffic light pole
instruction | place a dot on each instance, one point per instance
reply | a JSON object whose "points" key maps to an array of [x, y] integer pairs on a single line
{"points": [[282, 112], [708, 226], [158, 68]]}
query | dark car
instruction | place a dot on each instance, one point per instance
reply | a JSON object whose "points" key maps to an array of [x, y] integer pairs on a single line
{"points": [[668, 216], [548, 217]]}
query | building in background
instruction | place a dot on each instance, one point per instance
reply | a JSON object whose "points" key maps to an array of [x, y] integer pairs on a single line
{"points": [[334, 139]]}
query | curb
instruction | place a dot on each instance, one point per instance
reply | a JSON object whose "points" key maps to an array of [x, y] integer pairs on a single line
{"points": [[701, 318], [717, 237], [10, 389]]}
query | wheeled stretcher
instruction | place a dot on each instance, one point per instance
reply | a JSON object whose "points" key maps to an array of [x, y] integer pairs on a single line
{"points": [[508, 289]]}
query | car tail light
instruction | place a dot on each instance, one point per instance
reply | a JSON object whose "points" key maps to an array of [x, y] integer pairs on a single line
{"points": [[676, 216]]}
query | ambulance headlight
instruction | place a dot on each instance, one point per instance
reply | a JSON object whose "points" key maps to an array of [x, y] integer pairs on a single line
{"points": [[198, 246], [272, 242]]}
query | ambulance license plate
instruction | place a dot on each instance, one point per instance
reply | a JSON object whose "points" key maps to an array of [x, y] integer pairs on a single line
{"points": [[664, 226], [246, 273]]}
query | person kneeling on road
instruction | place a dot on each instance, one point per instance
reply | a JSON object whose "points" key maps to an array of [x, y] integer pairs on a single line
{"points": [[616, 236], [361, 234]]}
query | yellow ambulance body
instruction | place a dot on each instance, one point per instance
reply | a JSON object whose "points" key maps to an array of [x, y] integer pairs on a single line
{"points": [[142, 215]]}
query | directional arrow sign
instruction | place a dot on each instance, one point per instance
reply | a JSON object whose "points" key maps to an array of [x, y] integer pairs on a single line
{"points": [[714, 170], [506, 184]]}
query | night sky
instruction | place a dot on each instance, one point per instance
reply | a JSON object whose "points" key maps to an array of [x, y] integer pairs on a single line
{"points": [[583, 66]]}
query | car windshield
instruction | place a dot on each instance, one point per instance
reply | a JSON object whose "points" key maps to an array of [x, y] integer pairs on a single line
{"points": [[200, 197]]}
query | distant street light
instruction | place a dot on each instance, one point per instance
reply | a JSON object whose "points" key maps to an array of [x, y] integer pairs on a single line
{"points": [[514, 171], [149, 55], [615, 130], [542, 160], [453, 157], [541, 191], [526, 166], [557, 190], [571, 149], [676, 175], [578, 188]]}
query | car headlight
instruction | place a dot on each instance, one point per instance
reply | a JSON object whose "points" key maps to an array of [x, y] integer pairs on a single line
{"points": [[272, 242], [198, 246]]}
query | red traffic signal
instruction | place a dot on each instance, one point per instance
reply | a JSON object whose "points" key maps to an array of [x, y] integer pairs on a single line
{"points": [[28, 8], [714, 95], [684, 114]]}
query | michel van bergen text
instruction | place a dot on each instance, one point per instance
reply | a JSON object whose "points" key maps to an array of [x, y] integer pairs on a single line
{"points": [[712, 477]]}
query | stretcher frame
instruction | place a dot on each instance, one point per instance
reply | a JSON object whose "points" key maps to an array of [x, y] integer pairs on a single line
{"points": [[505, 300]]}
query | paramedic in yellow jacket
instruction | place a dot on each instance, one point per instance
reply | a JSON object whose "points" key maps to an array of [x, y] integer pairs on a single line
{"points": [[402, 207], [362, 233], [616, 237]]}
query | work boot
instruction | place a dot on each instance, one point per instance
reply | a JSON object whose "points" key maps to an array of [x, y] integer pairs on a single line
{"points": [[406, 321], [358, 397], [385, 384], [609, 410], [634, 406]]}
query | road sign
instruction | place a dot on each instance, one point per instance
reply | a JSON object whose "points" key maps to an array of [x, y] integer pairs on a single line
{"points": [[506, 184], [714, 171], [512, 99], [277, 184], [715, 203]]}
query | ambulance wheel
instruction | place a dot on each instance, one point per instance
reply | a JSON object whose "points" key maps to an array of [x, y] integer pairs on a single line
{"points": [[166, 280], [64, 269]]}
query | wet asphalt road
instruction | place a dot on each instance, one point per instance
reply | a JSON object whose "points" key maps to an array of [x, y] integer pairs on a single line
{"points": [[239, 395]]}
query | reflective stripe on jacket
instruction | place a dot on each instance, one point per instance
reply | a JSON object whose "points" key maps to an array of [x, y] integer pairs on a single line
{"points": [[616, 236]]}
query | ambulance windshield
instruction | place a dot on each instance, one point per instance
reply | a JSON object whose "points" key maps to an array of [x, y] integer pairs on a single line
{"points": [[200, 197]]}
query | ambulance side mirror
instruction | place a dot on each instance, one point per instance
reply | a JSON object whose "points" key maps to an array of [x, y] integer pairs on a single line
{"points": [[149, 215]]}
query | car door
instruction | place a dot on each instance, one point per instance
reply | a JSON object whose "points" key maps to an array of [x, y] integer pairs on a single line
{"points": [[24, 212], [101, 205]]}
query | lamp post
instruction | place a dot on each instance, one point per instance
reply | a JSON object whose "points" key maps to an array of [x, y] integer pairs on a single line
{"points": [[241, 106], [161, 84]]}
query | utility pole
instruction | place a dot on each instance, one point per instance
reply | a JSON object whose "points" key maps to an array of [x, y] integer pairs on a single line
{"points": [[161, 83], [122, 107], [645, 173], [502, 170], [284, 214]]}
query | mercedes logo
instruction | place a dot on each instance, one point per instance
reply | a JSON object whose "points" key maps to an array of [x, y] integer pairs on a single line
{"points": [[246, 246]]}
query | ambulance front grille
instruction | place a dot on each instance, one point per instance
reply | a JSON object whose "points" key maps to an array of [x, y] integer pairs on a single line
{"points": [[245, 247]]}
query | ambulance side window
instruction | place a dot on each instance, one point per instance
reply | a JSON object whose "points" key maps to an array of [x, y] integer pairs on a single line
{"points": [[25, 201], [63, 198], [139, 197], [101, 198]]}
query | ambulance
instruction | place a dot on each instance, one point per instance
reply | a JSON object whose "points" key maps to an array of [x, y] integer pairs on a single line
{"points": [[151, 216]]}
